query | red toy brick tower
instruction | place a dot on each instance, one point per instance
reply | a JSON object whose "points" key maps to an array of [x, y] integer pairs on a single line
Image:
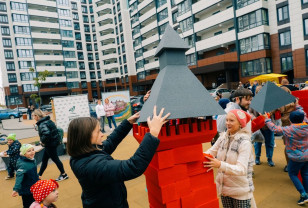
{"points": [[176, 177]]}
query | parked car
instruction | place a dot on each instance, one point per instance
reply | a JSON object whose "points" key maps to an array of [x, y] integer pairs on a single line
{"points": [[136, 104], [8, 113], [47, 108], [21, 109], [223, 91], [92, 110]]}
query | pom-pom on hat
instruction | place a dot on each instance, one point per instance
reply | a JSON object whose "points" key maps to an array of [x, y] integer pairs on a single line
{"points": [[24, 148], [12, 136], [242, 116], [297, 117], [42, 188]]}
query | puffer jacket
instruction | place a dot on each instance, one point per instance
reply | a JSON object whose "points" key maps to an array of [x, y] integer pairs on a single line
{"points": [[26, 175], [48, 132], [234, 177], [14, 150], [102, 177], [109, 109]]}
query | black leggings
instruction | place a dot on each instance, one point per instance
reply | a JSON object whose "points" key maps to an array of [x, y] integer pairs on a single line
{"points": [[51, 152]]}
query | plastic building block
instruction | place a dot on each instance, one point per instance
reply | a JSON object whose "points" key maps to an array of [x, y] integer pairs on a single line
{"points": [[211, 204], [202, 180]]}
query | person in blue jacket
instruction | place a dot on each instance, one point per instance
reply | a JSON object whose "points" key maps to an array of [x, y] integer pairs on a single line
{"points": [[14, 153], [101, 177]]}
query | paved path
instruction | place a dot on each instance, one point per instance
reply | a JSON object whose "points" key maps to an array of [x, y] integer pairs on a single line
{"points": [[23, 129]]}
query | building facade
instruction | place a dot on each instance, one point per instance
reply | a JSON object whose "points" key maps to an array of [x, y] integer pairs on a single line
{"points": [[230, 40]]}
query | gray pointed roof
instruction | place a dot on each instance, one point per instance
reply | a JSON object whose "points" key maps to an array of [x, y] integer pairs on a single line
{"points": [[270, 97], [176, 88], [171, 39]]}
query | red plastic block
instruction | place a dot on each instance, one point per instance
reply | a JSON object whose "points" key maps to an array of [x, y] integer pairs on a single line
{"points": [[188, 154], [163, 194], [188, 201], [204, 195], [211, 204], [196, 168], [156, 204], [166, 176], [202, 180], [183, 187], [163, 159]]}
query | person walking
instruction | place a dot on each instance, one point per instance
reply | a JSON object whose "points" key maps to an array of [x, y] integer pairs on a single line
{"points": [[50, 139], [100, 113], [101, 177], [109, 109], [29, 112], [233, 157], [297, 150]]}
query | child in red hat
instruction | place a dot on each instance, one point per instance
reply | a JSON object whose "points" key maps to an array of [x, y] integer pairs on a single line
{"points": [[234, 159], [45, 192]]}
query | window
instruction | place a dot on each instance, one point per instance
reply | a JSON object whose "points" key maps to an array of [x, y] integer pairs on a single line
{"points": [[7, 42], [5, 30], [82, 65], [65, 23], [89, 47], [82, 75], [255, 43], [243, 3], [67, 33], [79, 46], [70, 64], [184, 7], [28, 76], [252, 20], [21, 30], [29, 88], [163, 14], [84, 85], [159, 3], [285, 38], [26, 64], [63, 2], [99, 75], [120, 17], [190, 40], [12, 78], [91, 66], [20, 18], [286, 63], [138, 52], [217, 33], [91, 9], [77, 36], [10, 66], [25, 53], [80, 56], [84, 9], [139, 64], [92, 75], [85, 18], [69, 54], [283, 13], [3, 18], [64, 12], [75, 16], [14, 89], [90, 56], [135, 18], [174, 17], [256, 67], [76, 26], [186, 24], [67, 44], [96, 56], [93, 84], [86, 28], [71, 85], [123, 48], [305, 1], [3, 7], [72, 74], [23, 41], [8, 54], [74, 6], [191, 60]]}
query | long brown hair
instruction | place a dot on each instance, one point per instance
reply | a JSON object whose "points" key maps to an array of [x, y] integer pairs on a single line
{"points": [[79, 136]]}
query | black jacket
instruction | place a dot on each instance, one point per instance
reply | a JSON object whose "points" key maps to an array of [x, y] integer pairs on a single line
{"points": [[102, 178], [26, 175], [48, 132]]}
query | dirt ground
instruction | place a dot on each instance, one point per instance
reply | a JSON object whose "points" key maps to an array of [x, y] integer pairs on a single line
{"points": [[273, 188]]}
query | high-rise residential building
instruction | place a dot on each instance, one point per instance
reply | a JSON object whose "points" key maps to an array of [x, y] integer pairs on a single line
{"points": [[230, 40], [54, 35]]}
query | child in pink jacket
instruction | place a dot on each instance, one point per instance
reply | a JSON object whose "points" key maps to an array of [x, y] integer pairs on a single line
{"points": [[45, 192]]}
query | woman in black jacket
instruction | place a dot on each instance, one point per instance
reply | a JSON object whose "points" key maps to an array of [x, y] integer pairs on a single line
{"points": [[50, 139], [100, 176]]}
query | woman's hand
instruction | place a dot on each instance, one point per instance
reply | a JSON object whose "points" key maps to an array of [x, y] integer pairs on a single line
{"points": [[157, 121], [133, 118], [213, 163], [14, 193]]}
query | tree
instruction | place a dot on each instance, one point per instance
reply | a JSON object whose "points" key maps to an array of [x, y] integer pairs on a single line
{"points": [[38, 80]]}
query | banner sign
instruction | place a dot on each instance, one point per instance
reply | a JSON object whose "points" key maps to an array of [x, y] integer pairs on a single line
{"points": [[121, 101], [69, 107]]}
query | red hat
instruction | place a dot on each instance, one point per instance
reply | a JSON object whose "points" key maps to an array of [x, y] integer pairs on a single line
{"points": [[242, 116], [42, 188]]}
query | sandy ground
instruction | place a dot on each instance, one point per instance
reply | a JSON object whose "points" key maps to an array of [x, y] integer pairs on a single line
{"points": [[273, 188]]}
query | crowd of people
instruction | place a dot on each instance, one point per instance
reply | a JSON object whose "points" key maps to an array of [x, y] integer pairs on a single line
{"points": [[102, 178]]}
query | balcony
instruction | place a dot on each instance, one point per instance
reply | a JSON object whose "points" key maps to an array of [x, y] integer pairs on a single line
{"points": [[112, 75], [50, 68], [144, 4], [202, 5], [253, 31], [228, 57], [46, 36], [105, 27], [148, 27], [218, 40], [103, 7], [150, 40], [110, 56], [109, 46], [149, 53], [104, 17], [107, 37], [110, 66], [55, 79], [43, 14], [44, 24], [47, 47], [48, 58], [252, 7], [147, 15], [43, 3], [214, 20], [152, 65]]}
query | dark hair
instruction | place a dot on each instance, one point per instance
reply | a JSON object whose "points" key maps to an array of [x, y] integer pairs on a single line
{"points": [[241, 92], [79, 135]]}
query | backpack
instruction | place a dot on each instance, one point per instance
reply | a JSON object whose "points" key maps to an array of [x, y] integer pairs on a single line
{"points": [[61, 134]]}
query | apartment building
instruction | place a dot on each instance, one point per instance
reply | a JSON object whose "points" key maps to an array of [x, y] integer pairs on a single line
{"points": [[230, 40], [54, 35]]}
